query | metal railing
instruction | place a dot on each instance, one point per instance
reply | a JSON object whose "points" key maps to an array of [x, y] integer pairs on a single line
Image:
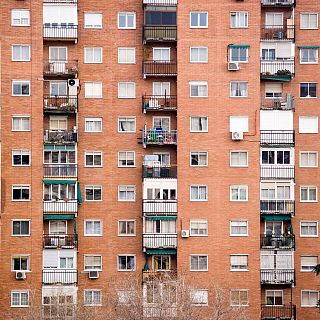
{"points": [[60, 136], [60, 67], [59, 276], [159, 137], [60, 206], [283, 102], [159, 207], [161, 2], [159, 275], [63, 31], [59, 241], [277, 67], [159, 103], [278, 32], [279, 242], [274, 172], [60, 103], [160, 33], [60, 170], [278, 2], [159, 68], [277, 138], [61, 1], [159, 172], [277, 207], [278, 312], [166, 311], [277, 276], [157, 241]]}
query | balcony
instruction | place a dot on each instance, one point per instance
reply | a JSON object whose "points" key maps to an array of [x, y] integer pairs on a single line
{"points": [[61, 68], [277, 276], [60, 32], [271, 138], [159, 68], [62, 136], [159, 207], [60, 104], [59, 241], [159, 137], [159, 275], [159, 171], [283, 102], [60, 206], [161, 2], [278, 70], [280, 207], [283, 312], [160, 241], [160, 33], [159, 103], [278, 33], [280, 3], [277, 242], [60, 276], [275, 172], [69, 170]]}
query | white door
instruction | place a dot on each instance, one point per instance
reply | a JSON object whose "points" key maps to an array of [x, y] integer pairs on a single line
{"points": [[58, 59], [161, 122]]}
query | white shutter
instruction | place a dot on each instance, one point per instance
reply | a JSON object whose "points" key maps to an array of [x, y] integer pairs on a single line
{"points": [[239, 123], [283, 50], [308, 124], [276, 120], [284, 261], [267, 261], [273, 87], [50, 258]]}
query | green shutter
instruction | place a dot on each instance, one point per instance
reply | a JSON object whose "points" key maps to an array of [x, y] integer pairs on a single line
{"points": [[79, 194]]}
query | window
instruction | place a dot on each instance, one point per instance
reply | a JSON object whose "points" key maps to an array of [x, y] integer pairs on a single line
{"points": [[309, 55], [127, 55], [163, 157], [238, 54], [20, 227], [126, 227], [238, 228], [239, 297], [92, 262], [273, 90], [308, 263], [198, 89], [239, 262], [274, 297], [20, 192], [57, 192], [19, 298], [93, 193], [161, 89], [126, 90], [199, 297], [126, 296], [198, 193], [274, 20], [58, 227], [20, 158], [198, 19], [308, 229], [198, 124], [20, 263], [199, 158], [161, 54], [126, 124], [93, 228], [126, 159], [20, 88], [93, 90], [308, 90], [20, 52], [199, 54], [93, 124], [198, 262], [309, 20], [58, 123], [93, 20], [238, 89], [66, 263], [239, 193], [93, 159], [92, 297], [309, 298], [198, 228], [308, 124], [126, 193], [268, 54], [239, 123], [159, 16], [275, 157], [160, 263], [20, 18], [239, 19], [126, 263], [308, 194], [308, 159], [126, 20], [160, 226], [60, 155], [92, 55], [238, 158], [161, 122]]}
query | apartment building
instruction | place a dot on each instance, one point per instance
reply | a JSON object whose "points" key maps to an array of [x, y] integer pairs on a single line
{"points": [[143, 137]]}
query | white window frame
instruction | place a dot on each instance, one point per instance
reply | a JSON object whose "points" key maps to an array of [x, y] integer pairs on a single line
{"points": [[63, 223], [126, 84], [198, 221], [86, 49], [239, 187], [237, 13], [239, 269], [308, 96], [194, 291], [310, 268], [19, 24], [20, 220], [14, 256], [198, 49], [18, 117], [22, 153], [20, 186], [309, 27], [199, 131], [93, 154], [308, 153], [91, 292], [238, 152], [237, 84], [310, 291], [273, 295], [308, 188], [127, 234], [198, 84], [92, 83], [198, 25], [239, 61], [126, 187], [239, 234], [87, 26], [239, 290], [91, 255], [198, 153], [92, 120], [22, 82], [127, 118], [93, 188], [198, 186], [309, 236], [86, 234], [21, 45], [304, 131], [127, 255], [198, 270], [127, 48], [19, 292], [126, 159], [126, 26], [309, 62]]}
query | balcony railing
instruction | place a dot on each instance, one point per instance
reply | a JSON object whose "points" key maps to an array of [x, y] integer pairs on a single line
{"points": [[61, 1], [64, 104], [159, 172], [277, 2], [60, 206], [285, 312], [279, 68], [277, 207], [69, 170], [60, 136], [59, 241], [159, 207], [159, 275], [274, 172], [277, 276], [60, 68], [60, 276], [159, 103], [159, 137], [63, 31], [161, 2], [278, 33], [277, 138], [160, 241], [277, 242], [160, 33], [283, 102], [152, 311], [159, 68]]}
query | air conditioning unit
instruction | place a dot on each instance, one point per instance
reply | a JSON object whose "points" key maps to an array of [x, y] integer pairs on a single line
{"points": [[73, 82], [233, 66], [93, 274], [20, 275], [237, 135], [184, 233]]}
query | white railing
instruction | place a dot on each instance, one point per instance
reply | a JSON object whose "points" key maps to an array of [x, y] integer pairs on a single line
{"points": [[277, 67], [60, 206], [155, 241]]}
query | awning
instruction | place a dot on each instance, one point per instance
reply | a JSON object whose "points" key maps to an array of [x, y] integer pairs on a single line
{"points": [[161, 218], [239, 46], [277, 78], [59, 181], [309, 47], [58, 216], [59, 147], [275, 217], [79, 194], [75, 229], [161, 251]]}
